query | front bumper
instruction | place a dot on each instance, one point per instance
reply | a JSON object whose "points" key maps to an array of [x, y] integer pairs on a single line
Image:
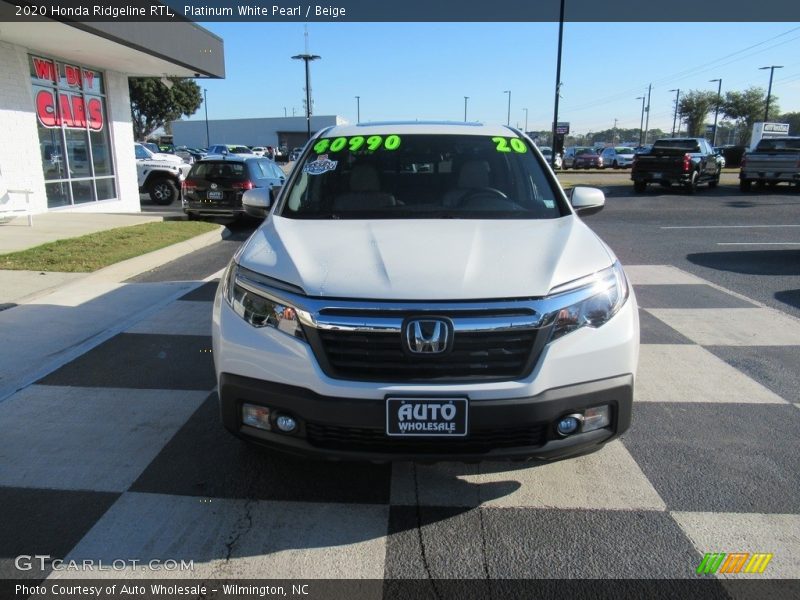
{"points": [[354, 428]]}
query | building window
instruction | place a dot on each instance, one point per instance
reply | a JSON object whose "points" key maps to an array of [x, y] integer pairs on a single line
{"points": [[74, 140]]}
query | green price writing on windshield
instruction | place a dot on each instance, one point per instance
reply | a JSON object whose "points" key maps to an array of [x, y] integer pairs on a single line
{"points": [[356, 143], [509, 145]]}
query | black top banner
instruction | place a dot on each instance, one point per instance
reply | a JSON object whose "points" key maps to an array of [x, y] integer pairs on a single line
{"points": [[403, 11]]}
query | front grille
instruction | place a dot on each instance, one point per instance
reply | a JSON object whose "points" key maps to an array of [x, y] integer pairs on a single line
{"points": [[380, 356], [375, 440]]}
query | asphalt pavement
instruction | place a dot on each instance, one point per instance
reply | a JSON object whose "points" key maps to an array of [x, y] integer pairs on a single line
{"points": [[117, 451]]}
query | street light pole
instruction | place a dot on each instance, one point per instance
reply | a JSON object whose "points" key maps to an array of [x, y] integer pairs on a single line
{"points": [[358, 109], [769, 90], [508, 119], [716, 110], [306, 58], [647, 110], [465, 108], [675, 116], [641, 121], [526, 119], [558, 85], [205, 105]]}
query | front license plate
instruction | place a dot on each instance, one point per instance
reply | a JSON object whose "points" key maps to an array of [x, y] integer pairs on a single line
{"points": [[655, 175], [426, 417], [214, 195]]}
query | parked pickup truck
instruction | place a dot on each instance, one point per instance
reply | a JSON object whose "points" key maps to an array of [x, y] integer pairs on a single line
{"points": [[683, 161], [774, 160]]}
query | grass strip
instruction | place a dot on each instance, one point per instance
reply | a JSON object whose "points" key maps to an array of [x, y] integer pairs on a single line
{"points": [[94, 251]]}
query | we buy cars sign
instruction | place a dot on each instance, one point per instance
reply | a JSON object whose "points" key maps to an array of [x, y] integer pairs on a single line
{"points": [[57, 108]]}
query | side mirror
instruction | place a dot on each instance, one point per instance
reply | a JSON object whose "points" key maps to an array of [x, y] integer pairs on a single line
{"points": [[256, 202], [587, 200]]}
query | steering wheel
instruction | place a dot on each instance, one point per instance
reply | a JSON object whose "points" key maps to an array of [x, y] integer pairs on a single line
{"points": [[484, 191]]}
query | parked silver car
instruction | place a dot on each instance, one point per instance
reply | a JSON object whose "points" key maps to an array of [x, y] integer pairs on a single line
{"points": [[618, 157]]}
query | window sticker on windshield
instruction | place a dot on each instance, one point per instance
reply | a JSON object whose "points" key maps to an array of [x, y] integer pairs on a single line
{"points": [[358, 142], [549, 203], [322, 165], [509, 145]]}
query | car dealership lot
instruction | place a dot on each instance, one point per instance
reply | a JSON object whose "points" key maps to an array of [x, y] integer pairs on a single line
{"points": [[119, 454]]}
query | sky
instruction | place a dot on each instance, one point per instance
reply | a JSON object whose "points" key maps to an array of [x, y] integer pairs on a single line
{"points": [[407, 71]]}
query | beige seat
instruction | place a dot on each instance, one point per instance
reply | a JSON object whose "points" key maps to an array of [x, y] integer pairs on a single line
{"points": [[473, 175], [365, 191]]}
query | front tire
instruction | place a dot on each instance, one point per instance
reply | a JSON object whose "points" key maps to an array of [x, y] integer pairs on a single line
{"points": [[714, 182], [639, 187], [745, 185], [163, 191], [615, 165]]}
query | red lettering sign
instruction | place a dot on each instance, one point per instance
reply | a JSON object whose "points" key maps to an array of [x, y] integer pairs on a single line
{"points": [[88, 77], [73, 75], [73, 113], [45, 69]]}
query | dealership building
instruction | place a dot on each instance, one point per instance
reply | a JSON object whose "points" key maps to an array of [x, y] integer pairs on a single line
{"points": [[65, 109], [278, 132]]}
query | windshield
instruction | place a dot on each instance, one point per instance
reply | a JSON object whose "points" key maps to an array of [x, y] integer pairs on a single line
{"points": [[582, 151], [421, 176], [623, 150]]}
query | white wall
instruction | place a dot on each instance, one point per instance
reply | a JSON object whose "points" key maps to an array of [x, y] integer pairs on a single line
{"points": [[20, 160], [261, 131]]}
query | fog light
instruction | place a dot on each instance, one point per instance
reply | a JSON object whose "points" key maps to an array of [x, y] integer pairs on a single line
{"points": [[256, 416], [568, 425], [596, 418], [286, 424]]}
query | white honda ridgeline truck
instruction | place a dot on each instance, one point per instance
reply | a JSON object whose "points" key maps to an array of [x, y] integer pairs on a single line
{"points": [[425, 291]]}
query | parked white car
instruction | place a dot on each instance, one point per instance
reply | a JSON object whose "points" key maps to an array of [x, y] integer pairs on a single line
{"points": [[547, 152], [425, 291], [159, 175], [617, 157]]}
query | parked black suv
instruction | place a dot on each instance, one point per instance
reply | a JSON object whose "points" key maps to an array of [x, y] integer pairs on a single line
{"points": [[215, 185]]}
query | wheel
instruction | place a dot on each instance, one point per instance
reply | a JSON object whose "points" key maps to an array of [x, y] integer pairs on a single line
{"points": [[615, 165], [639, 187], [163, 190], [714, 182], [691, 186], [744, 185]]}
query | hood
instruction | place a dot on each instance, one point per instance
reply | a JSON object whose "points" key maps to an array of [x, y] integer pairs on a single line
{"points": [[162, 157], [425, 259]]}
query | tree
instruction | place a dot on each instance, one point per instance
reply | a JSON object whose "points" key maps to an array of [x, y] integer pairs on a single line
{"points": [[747, 107], [154, 105], [693, 108], [793, 119]]}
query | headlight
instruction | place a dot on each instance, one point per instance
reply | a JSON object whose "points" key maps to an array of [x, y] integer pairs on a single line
{"points": [[605, 296], [258, 307]]}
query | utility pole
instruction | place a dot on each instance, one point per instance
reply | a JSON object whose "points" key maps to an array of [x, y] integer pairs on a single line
{"points": [[526, 120], [716, 110], [284, 111], [647, 124], [641, 121], [769, 90], [465, 108], [508, 119], [614, 133], [358, 109], [558, 85], [205, 105], [675, 116], [307, 58]]}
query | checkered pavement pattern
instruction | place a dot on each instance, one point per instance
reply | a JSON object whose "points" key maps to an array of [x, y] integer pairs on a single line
{"points": [[120, 454]]}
